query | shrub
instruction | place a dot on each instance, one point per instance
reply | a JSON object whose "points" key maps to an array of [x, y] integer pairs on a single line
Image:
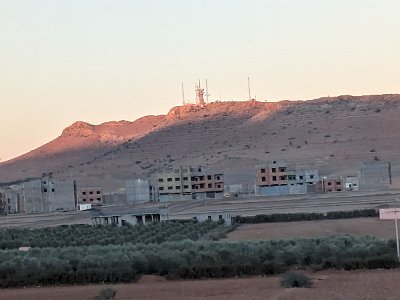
{"points": [[293, 279], [107, 293]]}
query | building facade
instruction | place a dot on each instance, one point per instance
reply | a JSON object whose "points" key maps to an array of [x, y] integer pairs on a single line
{"points": [[186, 183], [331, 184], [92, 195], [41, 195], [277, 178]]}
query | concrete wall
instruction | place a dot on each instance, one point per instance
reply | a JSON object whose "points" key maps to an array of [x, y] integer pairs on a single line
{"points": [[174, 197], [273, 190], [116, 199], [374, 175]]}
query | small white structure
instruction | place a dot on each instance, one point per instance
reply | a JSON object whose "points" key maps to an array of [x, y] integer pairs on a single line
{"points": [[85, 206], [352, 183]]}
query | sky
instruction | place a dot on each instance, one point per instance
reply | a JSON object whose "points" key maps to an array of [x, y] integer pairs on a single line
{"points": [[96, 61]]}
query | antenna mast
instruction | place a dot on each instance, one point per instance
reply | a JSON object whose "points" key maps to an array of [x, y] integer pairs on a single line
{"points": [[248, 85], [207, 91], [183, 95]]}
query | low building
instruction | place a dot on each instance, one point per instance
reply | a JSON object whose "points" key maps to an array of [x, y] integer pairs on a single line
{"points": [[214, 216], [117, 216], [92, 195]]}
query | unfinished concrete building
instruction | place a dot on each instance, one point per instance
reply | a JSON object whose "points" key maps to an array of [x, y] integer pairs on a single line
{"points": [[186, 183], [92, 195], [43, 195], [331, 184], [277, 178], [139, 191]]}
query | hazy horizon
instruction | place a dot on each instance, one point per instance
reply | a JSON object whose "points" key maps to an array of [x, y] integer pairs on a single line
{"points": [[99, 61]]}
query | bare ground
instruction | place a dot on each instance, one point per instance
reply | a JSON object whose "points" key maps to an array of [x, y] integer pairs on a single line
{"points": [[357, 227], [327, 285]]}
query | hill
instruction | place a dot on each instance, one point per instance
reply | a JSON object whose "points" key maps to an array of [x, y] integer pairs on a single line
{"points": [[333, 134]]}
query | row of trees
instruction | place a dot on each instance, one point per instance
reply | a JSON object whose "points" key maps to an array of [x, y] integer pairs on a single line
{"points": [[85, 235], [189, 259], [291, 217]]}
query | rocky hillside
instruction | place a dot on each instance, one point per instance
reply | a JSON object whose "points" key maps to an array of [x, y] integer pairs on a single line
{"points": [[333, 134]]}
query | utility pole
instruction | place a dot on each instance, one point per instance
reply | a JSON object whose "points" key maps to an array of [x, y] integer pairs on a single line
{"points": [[248, 85], [397, 234]]}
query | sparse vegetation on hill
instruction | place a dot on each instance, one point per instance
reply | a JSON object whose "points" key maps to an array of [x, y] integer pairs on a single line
{"points": [[216, 135]]}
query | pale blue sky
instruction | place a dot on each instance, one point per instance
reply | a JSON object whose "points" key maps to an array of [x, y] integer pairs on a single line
{"points": [[95, 61]]}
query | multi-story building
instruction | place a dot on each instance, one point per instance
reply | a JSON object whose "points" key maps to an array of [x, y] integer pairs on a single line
{"points": [[91, 195], [185, 183], [277, 178], [41, 195]]}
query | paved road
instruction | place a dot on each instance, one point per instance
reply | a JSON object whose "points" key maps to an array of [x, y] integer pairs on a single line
{"points": [[235, 206]]}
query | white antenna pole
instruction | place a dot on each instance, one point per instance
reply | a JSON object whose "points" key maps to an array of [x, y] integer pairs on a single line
{"points": [[207, 90], [183, 95], [248, 85]]}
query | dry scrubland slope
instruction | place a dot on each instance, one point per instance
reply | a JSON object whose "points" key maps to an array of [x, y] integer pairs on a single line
{"points": [[332, 134]]}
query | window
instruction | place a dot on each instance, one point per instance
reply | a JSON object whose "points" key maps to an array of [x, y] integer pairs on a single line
{"points": [[176, 171], [160, 180], [273, 170], [329, 183], [178, 187], [185, 186], [262, 170], [209, 185], [44, 190], [170, 188], [161, 188], [282, 177], [263, 179], [169, 179], [98, 199], [209, 218], [208, 177], [220, 217], [84, 200], [44, 182], [91, 192], [177, 179], [338, 183], [338, 190], [185, 178], [98, 192], [53, 190], [282, 169], [311, 176], [301, 177], [273, 178], [218, 178], [91, 199], [83, 193]]}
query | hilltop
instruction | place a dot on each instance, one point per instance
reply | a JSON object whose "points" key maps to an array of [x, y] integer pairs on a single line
{"points": [[332, 134]]}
